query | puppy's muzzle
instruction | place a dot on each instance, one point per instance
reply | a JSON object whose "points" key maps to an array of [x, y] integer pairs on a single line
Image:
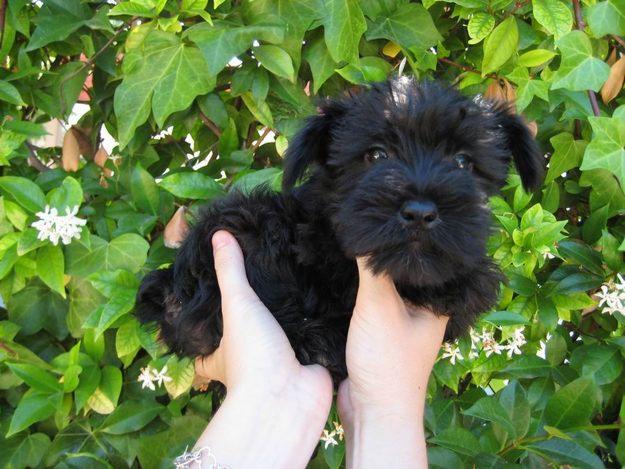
{"points": [[419, 214]]}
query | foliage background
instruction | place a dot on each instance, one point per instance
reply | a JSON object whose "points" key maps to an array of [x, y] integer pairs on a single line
{"points": [[156, 76]]}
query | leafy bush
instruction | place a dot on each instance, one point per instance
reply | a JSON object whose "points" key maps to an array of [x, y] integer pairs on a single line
{"points": [[540, 379]]}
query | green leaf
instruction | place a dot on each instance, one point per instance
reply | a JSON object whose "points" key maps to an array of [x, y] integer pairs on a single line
{"points": [[553, 15], [36, 307], [220, 43], [276, 60], [24, 451], [24, 192], [500, 45], [130, 416], [579, 69], [458, 440], [34, 406], [581, 254], [144, 191], [568, 154], [480, 25], [513, 399], [35, 377], [259, 109], [250, 180], [128, 251], [527, 366], [565, 452], [409, 26], [181, 372], [68, 195], [321, 63], [192, 185], [10, 94], [572, 405], [104, 399], [602, 363], [607, 148], [489, 409], [607, 17], [535, 57], [504, 318], [56, 20], [166, 77], [51, 266], [343, 25]]}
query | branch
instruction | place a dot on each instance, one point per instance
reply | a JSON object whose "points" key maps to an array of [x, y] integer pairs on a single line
{"points": [[619, 40], [90, 61], [581, 26], [260, 139], [33, 160], [466, 68], [210, 124]]}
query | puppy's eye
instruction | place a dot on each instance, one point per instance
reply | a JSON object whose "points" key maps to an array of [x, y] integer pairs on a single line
{"points": [[463, 161], [375, 154]]}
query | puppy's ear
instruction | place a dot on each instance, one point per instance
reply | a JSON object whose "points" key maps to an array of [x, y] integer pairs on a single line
{"points": [[310, 144], [518, 139], [155, 297]]}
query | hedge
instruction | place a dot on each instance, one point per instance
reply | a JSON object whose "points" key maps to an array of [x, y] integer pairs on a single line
{"points": [[167, 104]]}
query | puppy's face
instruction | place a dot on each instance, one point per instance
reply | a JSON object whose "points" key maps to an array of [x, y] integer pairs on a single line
{"points": [[406, 170]]}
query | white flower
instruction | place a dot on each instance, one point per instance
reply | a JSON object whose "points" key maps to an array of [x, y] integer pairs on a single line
{"points": [[516, 342], [612, 296], [338, 429], [146, 378], [53, 226], [150, 375], [161, 376], [490, 345], [452, 352], [328, 438]]}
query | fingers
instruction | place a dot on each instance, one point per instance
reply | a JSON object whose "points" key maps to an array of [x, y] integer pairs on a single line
{"points": [[230, 268], [210, 368]]}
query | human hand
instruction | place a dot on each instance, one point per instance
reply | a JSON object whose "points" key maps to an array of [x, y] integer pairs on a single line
{"points": [[391, 349], [275, 408]]}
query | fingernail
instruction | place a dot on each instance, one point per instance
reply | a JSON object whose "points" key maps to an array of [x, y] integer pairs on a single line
{"points": [[221, 239]]}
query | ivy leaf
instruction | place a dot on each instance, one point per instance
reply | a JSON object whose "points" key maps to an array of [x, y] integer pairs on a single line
{"points": [[579, 70], [480, 25], [167, 76], [56, 20], [322, 64], [568, 154], [276, 61], [192, 185], [51, 266], [410, 26], [607, 17], [220, 43], [343, 25], [528, 88], [500, 45], [553, 15], [572, 405], [607, 147]]}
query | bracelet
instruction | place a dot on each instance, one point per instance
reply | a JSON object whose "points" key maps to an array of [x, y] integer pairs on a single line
{"points": [[199, 456]]}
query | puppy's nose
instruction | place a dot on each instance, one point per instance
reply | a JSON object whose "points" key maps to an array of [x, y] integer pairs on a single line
{"points": [[419, 213]]}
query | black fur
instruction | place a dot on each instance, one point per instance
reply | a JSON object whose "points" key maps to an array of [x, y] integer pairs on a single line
{"points": [[300, 245]]}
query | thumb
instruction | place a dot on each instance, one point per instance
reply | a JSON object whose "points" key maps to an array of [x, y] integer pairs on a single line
{"points": [[375, 292], [230, 269]]}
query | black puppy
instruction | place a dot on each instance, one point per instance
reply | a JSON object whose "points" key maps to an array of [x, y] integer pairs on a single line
{"points": [[399, 172]]}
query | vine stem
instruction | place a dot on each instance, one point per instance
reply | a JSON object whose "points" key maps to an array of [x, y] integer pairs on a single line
{"points": [[594, 104], [210, 124], [619, 40], [260, 139], [466, 68]]}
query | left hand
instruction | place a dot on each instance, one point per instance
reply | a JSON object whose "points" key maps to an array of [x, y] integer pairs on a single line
{"points": [[269, 393]]}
